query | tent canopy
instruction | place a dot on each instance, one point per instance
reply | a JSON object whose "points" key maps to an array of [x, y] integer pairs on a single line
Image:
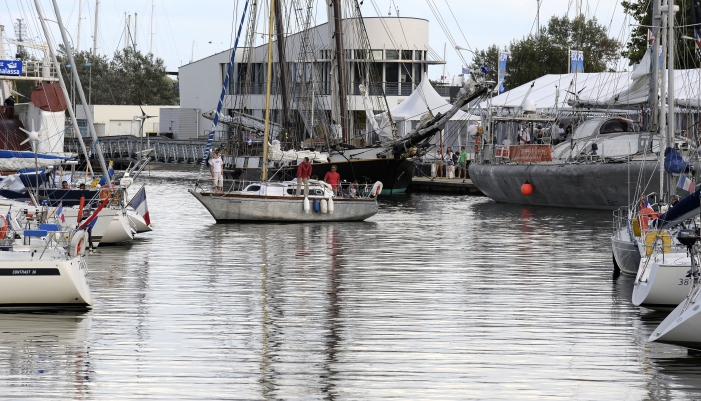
{"points": [[423, 99]]}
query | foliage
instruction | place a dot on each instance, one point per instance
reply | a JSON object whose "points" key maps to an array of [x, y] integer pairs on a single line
{"points": [[547, 51], [641, 12], [129, 78]]}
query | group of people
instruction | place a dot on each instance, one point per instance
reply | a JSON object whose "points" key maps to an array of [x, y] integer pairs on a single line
{"points": [[453, 162], [558, 133], [333, 178]]}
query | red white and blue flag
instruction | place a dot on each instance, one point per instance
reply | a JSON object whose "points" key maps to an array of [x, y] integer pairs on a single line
{"points": [[60, 215], [686, 184], [138, 202]]}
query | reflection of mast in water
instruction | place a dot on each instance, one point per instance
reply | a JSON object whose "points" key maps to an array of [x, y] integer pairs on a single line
{"points": [[334, 337], [266, 367]]}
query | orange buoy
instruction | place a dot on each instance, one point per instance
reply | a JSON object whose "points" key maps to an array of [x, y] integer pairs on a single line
{"points": [[527, 189]]}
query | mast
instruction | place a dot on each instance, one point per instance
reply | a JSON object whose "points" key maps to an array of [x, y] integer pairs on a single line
{"points": [[340, 61], [80, 16], [135, 35], [267, 91], [282, 63], [653, 120], [670, 83], [86, 107], [54, 61], [94, 38], [663, 99], [150, 45]]}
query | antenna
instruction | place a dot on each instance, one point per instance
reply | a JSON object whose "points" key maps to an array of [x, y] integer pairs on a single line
{"points": [[21, 34]]}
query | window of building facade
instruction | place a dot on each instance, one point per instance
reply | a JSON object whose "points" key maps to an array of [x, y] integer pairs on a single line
{"points": [[377, 55], [392, 54], [391, 72], [406, 54], [418, 55]]}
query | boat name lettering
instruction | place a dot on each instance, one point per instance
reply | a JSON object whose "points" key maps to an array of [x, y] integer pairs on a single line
{"points": [[29, 272], [684, 281]]}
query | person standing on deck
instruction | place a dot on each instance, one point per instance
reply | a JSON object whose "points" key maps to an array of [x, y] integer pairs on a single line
{"points": [[304, 171], [462, 163], [215, 168], [334, 179]]}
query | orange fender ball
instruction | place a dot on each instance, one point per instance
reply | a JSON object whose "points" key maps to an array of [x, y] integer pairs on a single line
{"points": [[527, 189]]}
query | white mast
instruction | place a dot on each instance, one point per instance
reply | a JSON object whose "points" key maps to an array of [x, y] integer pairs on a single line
{"points": [[52, 55], [663, 97], [80, 16], [135, 35], [86, 107], [94, 39], [150, 46]]}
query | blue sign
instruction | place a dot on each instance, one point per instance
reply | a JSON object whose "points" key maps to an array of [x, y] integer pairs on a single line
{"points": [[11, 67], [502, 70], [577, 61]]}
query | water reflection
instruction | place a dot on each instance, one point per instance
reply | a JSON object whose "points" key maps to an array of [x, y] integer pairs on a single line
{"points": [[436, 297]]}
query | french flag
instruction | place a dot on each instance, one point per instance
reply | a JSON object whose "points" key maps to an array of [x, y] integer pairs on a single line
{"points": [[686, 184], [138, 202], [60, 215]]}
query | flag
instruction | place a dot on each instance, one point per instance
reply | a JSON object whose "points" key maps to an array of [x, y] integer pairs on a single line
{"points": [[502, 70], [8, 218], [465, 70], [484, 69], [138, 202], [686, 184], [576, 61], [60, 215], [696, 37], [650, 37]]}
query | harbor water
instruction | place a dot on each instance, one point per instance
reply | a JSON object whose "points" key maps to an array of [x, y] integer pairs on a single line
{"points": [[436, 297]]}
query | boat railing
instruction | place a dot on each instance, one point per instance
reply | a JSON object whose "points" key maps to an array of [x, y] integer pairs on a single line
{"points": [[362, 190]]}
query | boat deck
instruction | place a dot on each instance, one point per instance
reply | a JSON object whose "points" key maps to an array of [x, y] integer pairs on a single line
{"points": [[444, 185]]}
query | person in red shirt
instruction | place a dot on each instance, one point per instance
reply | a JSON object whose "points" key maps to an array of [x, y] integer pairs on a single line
{"points": [[304, 171], [334, 179]]}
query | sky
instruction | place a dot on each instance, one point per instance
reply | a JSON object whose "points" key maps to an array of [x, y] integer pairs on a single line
{"points": [[185, 30]]}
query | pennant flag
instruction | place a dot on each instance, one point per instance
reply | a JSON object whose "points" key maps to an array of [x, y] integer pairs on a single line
{"points": [[60, 215], [650, 37], [686, 184], [465, 70], [138, 202], [576, 61]]}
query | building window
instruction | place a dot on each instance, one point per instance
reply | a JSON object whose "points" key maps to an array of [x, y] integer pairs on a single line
{"points": [[406, 54], [392, 54], [377, 54], [391, 72], [361, 54], [418, 54]]}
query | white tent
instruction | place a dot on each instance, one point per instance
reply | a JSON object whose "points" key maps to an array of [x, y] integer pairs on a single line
{"points": [[422, 100]]}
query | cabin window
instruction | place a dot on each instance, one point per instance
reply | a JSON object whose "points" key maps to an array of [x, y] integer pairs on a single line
{"points": [[253, 188], [614, 126]]}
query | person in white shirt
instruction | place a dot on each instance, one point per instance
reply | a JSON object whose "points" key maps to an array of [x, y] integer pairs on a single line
{"points": [[524, 137], [506, 142], [215, 167]]}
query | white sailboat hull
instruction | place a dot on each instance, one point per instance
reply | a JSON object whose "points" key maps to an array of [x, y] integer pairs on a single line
{"points": [[112, 226], [682, 326], [237, 207], [31, 283], [137, 222], [663, 285]]}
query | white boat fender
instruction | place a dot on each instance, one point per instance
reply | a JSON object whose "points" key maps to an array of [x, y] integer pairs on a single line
{"points": [[78, 243], [376, 189], [317, 207], [330, 205], [306, 204], [324, 206]]}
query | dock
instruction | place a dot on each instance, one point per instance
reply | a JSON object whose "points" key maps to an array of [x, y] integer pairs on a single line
{"points": [[456, 186]]}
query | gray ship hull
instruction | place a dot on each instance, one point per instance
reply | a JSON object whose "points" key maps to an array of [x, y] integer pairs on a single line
{"points": [[606, 186]]}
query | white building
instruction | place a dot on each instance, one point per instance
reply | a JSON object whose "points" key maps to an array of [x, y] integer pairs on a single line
{"points": [[400, 53], [112, 120]]}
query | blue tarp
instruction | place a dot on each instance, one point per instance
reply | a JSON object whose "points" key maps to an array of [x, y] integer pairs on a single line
{"points": [[674, 162], [16, 154]]}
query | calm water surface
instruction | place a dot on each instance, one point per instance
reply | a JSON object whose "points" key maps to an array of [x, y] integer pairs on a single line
{"points": [[436, 297]]}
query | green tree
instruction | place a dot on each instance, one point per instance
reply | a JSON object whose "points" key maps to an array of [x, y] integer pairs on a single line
{"points": [[546, 52], [94, 73], [641, 12], [489, 58], [141, 78]]}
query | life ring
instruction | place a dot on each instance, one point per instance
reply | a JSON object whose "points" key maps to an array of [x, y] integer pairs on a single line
{"points": [[78, 243], [376, 189], [3, 227], [651, 239]]}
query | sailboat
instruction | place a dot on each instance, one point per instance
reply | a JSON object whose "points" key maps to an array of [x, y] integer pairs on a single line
{"points": [[275, 201]]}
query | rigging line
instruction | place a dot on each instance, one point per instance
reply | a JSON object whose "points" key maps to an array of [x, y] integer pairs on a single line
{"points": [[458, 24]]}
